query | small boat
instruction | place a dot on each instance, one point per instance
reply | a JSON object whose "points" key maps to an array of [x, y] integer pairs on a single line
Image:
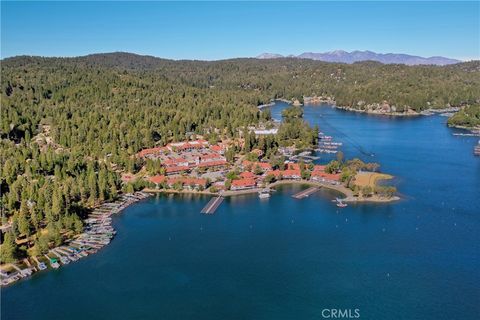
{"points": [[53, 262], [42, 266], [340, 203], [264, 194], [476, 150]]}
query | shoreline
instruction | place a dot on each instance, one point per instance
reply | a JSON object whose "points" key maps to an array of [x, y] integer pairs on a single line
{"points": [[349, 197], [408, 113], [99, 222], [378, 113], [470, 129]]}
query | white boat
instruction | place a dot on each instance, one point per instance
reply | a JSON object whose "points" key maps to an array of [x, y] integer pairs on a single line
{"points": [[340, 203], [264, 194]]}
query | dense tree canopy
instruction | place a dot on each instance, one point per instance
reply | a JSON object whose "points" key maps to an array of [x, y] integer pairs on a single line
{"points": [[69, 126], [468, 117]]}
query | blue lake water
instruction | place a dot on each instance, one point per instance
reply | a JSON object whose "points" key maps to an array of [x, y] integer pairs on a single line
{"points": [[283, 258]]}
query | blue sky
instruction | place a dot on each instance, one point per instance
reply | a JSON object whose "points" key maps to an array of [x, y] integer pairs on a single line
{"points": [[219, 30]]}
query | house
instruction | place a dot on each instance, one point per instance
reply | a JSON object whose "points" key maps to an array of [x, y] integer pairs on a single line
{"points": [[320, 176], [243, 184], [188, 182], [218, 149], [150, 152], [247, 175], [213, 164], [209, 157], [291, 174], [293, 166], [176, 169], [174, 162], [319, 168], [187, 145], [263, 132], [285, 174], [157, 180], [265, 166]]}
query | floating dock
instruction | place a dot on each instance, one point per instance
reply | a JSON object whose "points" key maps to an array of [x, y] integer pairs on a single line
{"points": [[212, 205], [305, 193]]}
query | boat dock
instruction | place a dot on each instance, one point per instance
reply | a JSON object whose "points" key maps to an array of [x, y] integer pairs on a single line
{"points": [[305, 193], [212, 205]]}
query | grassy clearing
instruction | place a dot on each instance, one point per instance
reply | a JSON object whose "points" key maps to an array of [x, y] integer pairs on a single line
{"points": [[363, 179]]}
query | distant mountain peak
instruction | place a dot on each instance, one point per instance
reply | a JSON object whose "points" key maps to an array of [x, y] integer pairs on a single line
{"points": [[358, 56]]}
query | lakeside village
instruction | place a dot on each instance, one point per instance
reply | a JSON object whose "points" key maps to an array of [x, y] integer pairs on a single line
{"points": [[199, 166]]}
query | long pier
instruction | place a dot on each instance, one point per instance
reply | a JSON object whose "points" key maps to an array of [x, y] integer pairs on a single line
{"points": [[212, 205], [305, 193]]}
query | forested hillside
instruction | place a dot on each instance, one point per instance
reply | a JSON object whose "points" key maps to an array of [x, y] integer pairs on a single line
{"points": [[69, 126]]}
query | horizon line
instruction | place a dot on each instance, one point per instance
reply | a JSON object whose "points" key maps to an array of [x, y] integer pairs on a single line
{"points": [[289, 55]]}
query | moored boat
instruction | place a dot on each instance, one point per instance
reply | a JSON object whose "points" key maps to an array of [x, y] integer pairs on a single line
{"points": [[264, 194]]}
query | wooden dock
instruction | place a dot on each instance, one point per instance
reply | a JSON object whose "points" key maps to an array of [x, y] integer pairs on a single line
{"points": [[305, 193], [212, 205]]}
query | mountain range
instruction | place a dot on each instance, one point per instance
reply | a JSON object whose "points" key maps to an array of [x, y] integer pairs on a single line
{"points": [[356, 56]]}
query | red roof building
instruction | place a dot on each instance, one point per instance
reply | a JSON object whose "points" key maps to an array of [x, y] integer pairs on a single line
{"points": [[286, 174], [325, 177], [247, 175], [158, 179], [151, 151], [211, 164], [293, 166], [176, 169], [188, 181], [217, 148], [265, 166], [243, 184]]}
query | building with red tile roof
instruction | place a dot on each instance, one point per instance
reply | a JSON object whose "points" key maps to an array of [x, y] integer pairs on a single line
{"points": [[293, 166], [247, 175], [188, 181], [285, 174], [265, 166], [325, 177], [217, 148], [243, 184], [158, 179], [151, 151], [211, 164], [176, 169], [175, 162], [187, 145]]}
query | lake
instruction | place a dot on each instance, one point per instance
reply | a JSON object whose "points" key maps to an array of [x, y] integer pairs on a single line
{"points": [[282, 258]]}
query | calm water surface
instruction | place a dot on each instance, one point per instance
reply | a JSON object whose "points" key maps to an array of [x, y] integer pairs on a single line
{"points": [[288, 259]]}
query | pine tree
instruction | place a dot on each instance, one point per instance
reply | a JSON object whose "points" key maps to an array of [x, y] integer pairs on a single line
{"points": [[8, 249]]}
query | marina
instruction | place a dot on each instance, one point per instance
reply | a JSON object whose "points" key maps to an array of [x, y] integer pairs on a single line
{"points": [[98, 232]]}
